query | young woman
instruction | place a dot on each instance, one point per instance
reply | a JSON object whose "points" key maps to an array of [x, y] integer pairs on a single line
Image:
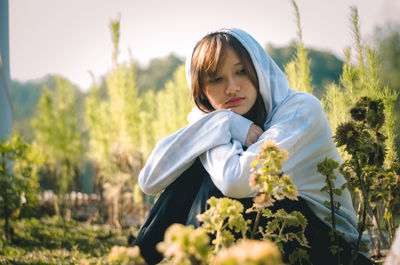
{"points": [[242, 99]]}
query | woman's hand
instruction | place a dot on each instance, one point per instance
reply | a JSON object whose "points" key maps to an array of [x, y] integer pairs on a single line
{"points": [[253, 135]]}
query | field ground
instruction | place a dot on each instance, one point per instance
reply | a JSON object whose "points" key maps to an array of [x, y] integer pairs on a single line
{"points": [[52, 240], [49, 240]]}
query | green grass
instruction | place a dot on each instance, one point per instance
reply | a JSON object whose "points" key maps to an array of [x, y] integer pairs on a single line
{"points": [[55, 241]]}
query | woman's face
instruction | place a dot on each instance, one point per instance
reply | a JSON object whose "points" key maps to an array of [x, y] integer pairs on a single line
{"points": [[230, 87]]}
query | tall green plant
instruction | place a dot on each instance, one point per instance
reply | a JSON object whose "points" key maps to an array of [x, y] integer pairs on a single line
{"points": [[98, 140], [327, 167], [113, 126], [375, 186], [298, 69], [361, 77], [147, 118], [164, 112]]}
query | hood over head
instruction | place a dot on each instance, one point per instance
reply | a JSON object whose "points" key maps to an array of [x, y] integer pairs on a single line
{"points": [[272, 82]]}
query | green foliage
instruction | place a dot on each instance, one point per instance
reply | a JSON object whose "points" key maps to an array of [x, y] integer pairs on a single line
{"points": [[271, 184], [358, 80], [388, 51], [96, 112], [125, 255], [158, 72], [298, 70], [275, 229], [133, 107], [114, 143], [267, 178], [55, 241], [249, 252], [326, 168], [173, 105], [57, 135], [375, 186], [115, 34], [223, 213], [124, 127], [25, 97], [299, 255], [147, 119], [164, 112], [325, 67], [18, 178], [185, 245]]}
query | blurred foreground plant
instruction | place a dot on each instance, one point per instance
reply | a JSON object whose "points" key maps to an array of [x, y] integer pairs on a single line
{"points": [[125, 255], [185, 245], [250, 252], [223, 213]]}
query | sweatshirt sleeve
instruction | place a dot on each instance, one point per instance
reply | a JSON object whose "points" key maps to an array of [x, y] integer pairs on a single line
{"points": [[177, 152], [229, 165]]}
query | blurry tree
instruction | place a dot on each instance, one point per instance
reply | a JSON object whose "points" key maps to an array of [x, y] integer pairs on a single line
{"points": [[173, 105], [324, 66], [98, 143], [113, 125], [58, 138], [157, 73], [388, 51], [18, 179], [25, 96]]}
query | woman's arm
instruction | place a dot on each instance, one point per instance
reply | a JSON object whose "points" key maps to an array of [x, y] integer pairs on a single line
{"points": [[175, 153], [298, 127]]}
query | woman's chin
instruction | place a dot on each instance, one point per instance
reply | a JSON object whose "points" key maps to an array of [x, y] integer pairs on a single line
{"points": [[238, 110]]}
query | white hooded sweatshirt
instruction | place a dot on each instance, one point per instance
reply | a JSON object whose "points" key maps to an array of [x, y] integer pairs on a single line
{"points": [[295, 121]]}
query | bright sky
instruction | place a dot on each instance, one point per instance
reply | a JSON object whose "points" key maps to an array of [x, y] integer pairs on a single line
{"points": [[72, 37]]}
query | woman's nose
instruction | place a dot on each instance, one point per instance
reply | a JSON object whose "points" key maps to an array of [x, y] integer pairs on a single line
{"points": [[232, 86]]}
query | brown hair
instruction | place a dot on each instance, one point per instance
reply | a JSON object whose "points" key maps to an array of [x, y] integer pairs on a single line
{"points": [[206, 58]]}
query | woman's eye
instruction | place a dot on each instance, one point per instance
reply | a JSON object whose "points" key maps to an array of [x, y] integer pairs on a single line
{"points": [[241, 72], [216, 80]]}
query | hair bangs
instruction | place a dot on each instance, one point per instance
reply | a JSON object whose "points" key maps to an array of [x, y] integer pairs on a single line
{"points": [[211, 54]]}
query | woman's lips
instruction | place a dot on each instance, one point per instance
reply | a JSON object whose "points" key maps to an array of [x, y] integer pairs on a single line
{"points": [[234, 101]]}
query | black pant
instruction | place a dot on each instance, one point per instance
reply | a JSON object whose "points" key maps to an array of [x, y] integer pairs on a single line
{"points": [[185, 198]]}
